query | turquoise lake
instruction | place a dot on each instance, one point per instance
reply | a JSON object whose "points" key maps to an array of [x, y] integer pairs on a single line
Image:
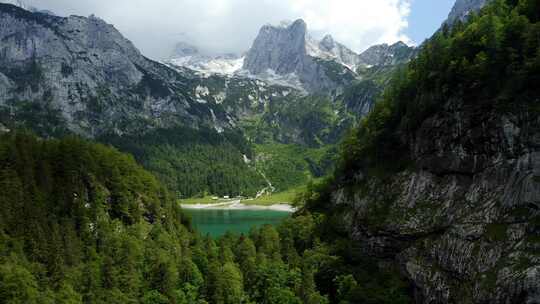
{"points": [[218, 221]]}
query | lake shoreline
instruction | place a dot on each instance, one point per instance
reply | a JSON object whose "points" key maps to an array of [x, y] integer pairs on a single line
{"points": [[238, 205]]}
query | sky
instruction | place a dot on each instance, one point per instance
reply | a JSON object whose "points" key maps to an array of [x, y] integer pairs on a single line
{"points": [[426, 17], [230, 26]]}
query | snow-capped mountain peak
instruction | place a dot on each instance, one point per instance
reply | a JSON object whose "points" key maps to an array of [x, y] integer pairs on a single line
{"points": [[329, 49], [287, 54]]}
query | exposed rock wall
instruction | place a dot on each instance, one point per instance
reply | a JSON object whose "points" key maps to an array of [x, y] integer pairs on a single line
{"points": [[95, 79], [282, 51], [463, 8], [464, 224]]}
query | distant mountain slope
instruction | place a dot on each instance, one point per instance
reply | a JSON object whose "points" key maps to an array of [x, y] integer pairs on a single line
{"points": [[80, 75], [288, 51], [189, 56], [385, 55], [328, 48], [287, 55], [88, 76]]}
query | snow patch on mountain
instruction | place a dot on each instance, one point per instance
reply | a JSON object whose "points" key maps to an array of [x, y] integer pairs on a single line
{"points": [[329, 49], [223, 65], [271, 77], [188, 56]]}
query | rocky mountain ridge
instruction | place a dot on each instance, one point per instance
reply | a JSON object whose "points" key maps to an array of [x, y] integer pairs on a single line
{"points": [[75, 74], [463, 8], [319, 66], [386, 55], [90, 78], [78, 75], [286, 54], [328, 48]]}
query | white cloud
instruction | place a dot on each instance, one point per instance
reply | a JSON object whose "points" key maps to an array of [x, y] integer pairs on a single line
{"points": [[357, 23], [231, 25]]}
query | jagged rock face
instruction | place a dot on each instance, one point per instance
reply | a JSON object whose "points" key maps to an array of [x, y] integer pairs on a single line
{"points": [[61, 75], [465, 225], [384, 54], [282, 52], [96, 81], [281, 49], [463, 8], [286, 55]]}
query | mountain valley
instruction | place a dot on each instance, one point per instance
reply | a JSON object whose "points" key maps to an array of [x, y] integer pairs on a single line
{"points": [[413, 171]]}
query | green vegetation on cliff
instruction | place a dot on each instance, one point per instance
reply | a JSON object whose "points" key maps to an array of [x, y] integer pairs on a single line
{"points": [[490, 64], [290, 166], [492, 61], [465, 80]]}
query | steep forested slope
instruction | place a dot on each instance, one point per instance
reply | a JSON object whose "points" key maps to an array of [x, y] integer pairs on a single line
{"points": [[195, 162], [82, 221], [442, 178]]}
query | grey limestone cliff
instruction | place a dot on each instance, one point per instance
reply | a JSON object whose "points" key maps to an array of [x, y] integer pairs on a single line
{"points": [[83, 73], [463, 8], [332, 49], [463, 220], [384, 54], [283, 50]]}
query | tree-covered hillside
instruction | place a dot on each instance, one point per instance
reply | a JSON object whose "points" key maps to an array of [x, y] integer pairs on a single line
{"points": [[83, 223], [195, 162], [491, 63], [441, 178]]}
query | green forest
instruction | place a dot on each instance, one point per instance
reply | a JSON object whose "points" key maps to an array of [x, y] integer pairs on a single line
{"points": [[194, 162], [83, 223]]}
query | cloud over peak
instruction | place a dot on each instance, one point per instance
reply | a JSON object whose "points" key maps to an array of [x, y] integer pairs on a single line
{"points": [[231, 25]]}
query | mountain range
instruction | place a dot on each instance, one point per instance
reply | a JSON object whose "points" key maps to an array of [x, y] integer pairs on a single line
{"points": [[62, 75], [286, 54]]}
